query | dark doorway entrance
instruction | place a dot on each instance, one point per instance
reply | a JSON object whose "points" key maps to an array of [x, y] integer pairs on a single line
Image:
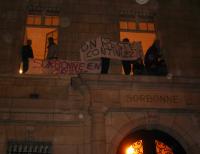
{"points": [[149, 142]]}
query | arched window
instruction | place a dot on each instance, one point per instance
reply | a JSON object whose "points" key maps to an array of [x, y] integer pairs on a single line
{"points": [[149, 142]]}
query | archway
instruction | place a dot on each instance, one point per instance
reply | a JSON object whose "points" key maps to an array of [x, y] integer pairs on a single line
{"points": [[149, 142]]}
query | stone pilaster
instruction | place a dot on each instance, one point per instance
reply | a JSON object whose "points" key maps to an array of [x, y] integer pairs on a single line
{"points": [[98, 139]]}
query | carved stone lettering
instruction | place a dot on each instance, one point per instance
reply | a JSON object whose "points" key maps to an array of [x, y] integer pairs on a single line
{"points": [[149, 99]]}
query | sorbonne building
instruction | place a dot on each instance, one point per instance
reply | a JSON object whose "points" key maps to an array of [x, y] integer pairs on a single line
{"points": [[92, 112]]}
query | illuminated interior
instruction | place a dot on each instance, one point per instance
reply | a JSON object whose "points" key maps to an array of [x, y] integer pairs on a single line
{"points": [[145, 38], [149, 141], [138, 31], [143, 32], [38, 29], [42, 20], [137, 148], [38, 37], [162, 148]]}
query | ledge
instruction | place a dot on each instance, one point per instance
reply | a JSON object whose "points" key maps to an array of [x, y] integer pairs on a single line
{"points": [[123, 80]]}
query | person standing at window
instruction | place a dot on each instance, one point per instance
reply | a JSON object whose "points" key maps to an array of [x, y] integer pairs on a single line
{"points": [[26, 53], [154, 61], [52, 49], [126, 63], [138, 65]]}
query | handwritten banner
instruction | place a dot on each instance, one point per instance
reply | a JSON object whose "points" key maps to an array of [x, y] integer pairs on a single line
{"points": [[101, 47], [62, 67]]}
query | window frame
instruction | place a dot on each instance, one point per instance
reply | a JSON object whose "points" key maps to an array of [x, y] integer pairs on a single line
{"points": [[43, 20], [138, 20], [16, 147]]}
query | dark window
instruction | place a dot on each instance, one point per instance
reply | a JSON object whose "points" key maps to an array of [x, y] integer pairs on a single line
{"points": [[29, 147]]}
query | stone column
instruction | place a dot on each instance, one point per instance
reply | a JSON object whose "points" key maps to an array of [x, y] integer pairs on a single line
{"points": [[98, 138]]}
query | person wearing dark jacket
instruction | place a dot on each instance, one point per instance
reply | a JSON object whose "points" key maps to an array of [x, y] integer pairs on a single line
{"points": [[26, 53], [154, 61], [126, 63]]}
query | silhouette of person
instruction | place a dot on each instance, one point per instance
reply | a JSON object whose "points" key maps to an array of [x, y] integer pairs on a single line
{"points": [[26, 53], [126, 63], [105, 64], [154, 61], [52, 49], [138, 65]]}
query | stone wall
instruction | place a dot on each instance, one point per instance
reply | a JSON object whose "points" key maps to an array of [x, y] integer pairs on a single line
{"points": [[177, 25], [117, 115], [92, 113], [42, 108]]}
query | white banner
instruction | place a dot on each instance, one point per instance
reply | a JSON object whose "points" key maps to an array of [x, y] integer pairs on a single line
{"points": [[101, 47], [62, 67]]}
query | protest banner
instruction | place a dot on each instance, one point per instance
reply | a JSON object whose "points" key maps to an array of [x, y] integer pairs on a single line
{"points": [[101, 47], [63, 67]]}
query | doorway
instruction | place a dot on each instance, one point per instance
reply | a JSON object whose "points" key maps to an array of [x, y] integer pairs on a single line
{"points": [[39, 37], [149, 142]]}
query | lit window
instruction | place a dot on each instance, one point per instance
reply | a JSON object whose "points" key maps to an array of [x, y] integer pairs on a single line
{"points": [[48, 20], [51, 20], [143, 26], [30, 20], [139, 31], [37, 20], [151, 27], [55, 21], [123, 25], [131, 25], [34, 20]]}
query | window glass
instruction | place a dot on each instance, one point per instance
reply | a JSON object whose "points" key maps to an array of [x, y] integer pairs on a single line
{"points": [[55, 21], [29, 147], [30, 20], [131, 25], [142, 26], [151, 27], [123, 25], [145, 38], [37, 20], [34, 20], [52, 20], [48, 20]]}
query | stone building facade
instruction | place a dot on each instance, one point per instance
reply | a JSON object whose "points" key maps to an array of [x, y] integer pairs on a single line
{"points": [[95, 113]]}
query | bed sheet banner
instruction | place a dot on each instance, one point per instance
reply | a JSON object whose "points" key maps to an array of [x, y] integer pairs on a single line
{"points": [[63, 67], [102, 47]]}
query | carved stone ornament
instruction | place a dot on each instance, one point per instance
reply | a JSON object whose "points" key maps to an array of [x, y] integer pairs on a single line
{"points": [[142, 1]]}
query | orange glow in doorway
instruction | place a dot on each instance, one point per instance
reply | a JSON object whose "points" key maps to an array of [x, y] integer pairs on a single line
{"points": [[135, 148], [146, 38], [38, 37], [130, 150]]}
